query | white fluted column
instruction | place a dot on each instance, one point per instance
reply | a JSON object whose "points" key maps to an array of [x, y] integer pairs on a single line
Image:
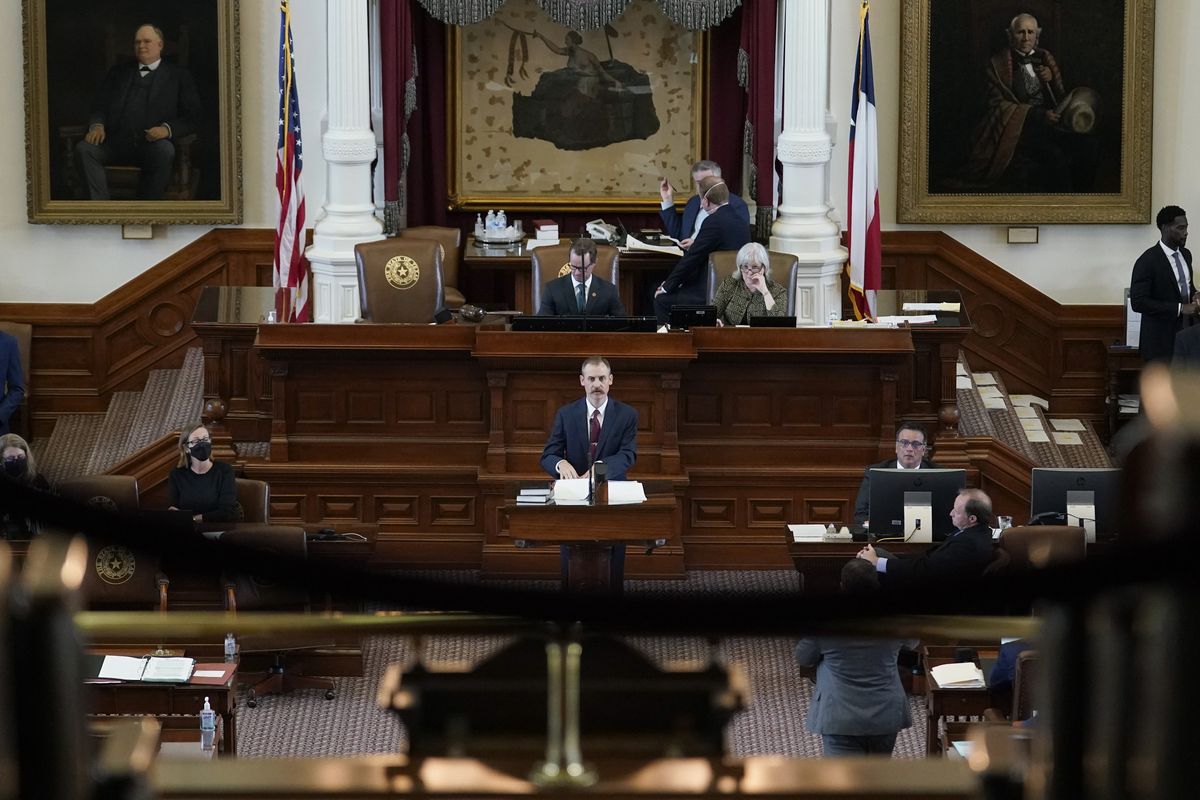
{"points": [[348, 145], [804, 226]]}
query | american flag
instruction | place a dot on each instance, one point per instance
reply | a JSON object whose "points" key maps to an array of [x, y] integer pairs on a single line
{"points": [[863, 201], [291, 267]]}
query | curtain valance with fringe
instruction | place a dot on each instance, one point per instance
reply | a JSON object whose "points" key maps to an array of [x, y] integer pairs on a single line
{"points": [[586, 15]]}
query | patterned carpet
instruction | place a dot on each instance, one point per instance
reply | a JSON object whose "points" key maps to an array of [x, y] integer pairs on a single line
{"points": [[303, 724]]}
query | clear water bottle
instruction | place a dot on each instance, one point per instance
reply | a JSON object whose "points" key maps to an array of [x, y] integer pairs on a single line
{"points": [[208, 726], [490, 223], [501, 222], [230, 647]]}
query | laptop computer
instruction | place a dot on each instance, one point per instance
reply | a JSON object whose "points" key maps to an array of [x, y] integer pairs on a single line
{"points": [[685, 317], [571, 324], [772, 322]]}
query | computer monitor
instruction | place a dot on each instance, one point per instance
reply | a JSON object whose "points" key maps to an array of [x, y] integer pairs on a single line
{"points": [[888, 487], [1055, 489], [686, 317]]}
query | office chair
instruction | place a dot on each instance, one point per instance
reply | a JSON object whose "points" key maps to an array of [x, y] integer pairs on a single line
{"points": [[399, 280], [248, 592], [451, 241]]}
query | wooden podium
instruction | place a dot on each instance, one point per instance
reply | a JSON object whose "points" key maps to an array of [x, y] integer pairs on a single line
{"points": [[594, 537]]}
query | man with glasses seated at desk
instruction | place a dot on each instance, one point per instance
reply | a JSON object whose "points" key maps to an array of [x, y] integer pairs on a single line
{"points": [[911, 448], [579, 292]]}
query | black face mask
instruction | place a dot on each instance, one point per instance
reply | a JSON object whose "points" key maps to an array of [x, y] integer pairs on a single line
{"points": [[201, 451], [14, 467]]}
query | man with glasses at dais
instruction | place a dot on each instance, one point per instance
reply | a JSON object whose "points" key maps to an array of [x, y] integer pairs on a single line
{"points": [[912, 447], [579, 292]]}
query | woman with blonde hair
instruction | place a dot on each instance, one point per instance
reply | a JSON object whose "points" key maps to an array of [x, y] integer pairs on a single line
{"points": [[749, 291], [19, 465], [200, 485]]}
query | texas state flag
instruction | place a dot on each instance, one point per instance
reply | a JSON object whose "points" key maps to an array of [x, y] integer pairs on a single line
{"points": [[863, 199]]}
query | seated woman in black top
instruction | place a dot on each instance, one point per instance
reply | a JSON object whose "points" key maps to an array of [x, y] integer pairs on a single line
{"points": [[19, 465], [200, 485]]}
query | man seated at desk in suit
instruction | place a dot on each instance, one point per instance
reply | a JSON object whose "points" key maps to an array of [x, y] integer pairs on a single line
{"points": [[911, 447], [964, 554], [722, 230], [686, 224], [581, 292]]}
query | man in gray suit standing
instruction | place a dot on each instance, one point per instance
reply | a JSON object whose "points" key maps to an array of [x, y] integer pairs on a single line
{"points": [[859, 704]]}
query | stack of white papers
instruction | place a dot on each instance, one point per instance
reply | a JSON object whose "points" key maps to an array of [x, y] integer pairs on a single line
{"points": [[632, 243], [961, 675], [915, 319], [625, 492], [571, 492], [812, 532], [931, 307]]}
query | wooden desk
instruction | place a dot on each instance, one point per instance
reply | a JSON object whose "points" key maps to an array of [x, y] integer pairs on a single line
{"points": [[590, 533], [162, 699], [820, 563], [953, 702]]}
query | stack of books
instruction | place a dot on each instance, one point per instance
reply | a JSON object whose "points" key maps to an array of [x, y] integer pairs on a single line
{"points": [[533, 497], [545, 230]]}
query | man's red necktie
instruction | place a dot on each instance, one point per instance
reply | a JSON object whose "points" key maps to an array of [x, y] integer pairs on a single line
{"points": [[593, 436]]}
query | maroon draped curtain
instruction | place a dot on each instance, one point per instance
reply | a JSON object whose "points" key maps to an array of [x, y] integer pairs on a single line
{"points": [[758, 43], [406, 24]]}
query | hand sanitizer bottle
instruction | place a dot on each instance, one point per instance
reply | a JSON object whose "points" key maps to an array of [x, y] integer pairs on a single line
{"points": [[478, 226], [208, 726]]}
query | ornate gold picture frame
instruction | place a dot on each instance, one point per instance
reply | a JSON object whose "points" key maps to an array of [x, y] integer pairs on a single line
{"points": [[78, 56], [976, 142], [539, 116]]}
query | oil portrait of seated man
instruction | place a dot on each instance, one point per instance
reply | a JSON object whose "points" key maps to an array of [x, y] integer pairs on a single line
{"points": [[136, 98]]}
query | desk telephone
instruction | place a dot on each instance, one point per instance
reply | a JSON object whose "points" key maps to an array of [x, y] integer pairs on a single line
{"points": [[601, 231]]}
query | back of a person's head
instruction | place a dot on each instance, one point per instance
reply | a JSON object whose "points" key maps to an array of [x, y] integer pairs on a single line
{"points": [[715, 190], [859, 577]]}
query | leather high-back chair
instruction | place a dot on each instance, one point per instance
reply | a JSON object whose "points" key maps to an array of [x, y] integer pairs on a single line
{"points": [[246, 591], [451, 241], [784, 268], [553, 261], [23, 333], [1037, 546], [399, 280], [255, 499], [117, 576]]}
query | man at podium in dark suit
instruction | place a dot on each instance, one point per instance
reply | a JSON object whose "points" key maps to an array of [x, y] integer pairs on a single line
{"points": [[581, 292], [595, 428], [1162, 290]]}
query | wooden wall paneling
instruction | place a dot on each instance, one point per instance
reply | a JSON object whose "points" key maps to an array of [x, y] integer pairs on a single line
{"points": [[82, 352], [419, 516]]}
